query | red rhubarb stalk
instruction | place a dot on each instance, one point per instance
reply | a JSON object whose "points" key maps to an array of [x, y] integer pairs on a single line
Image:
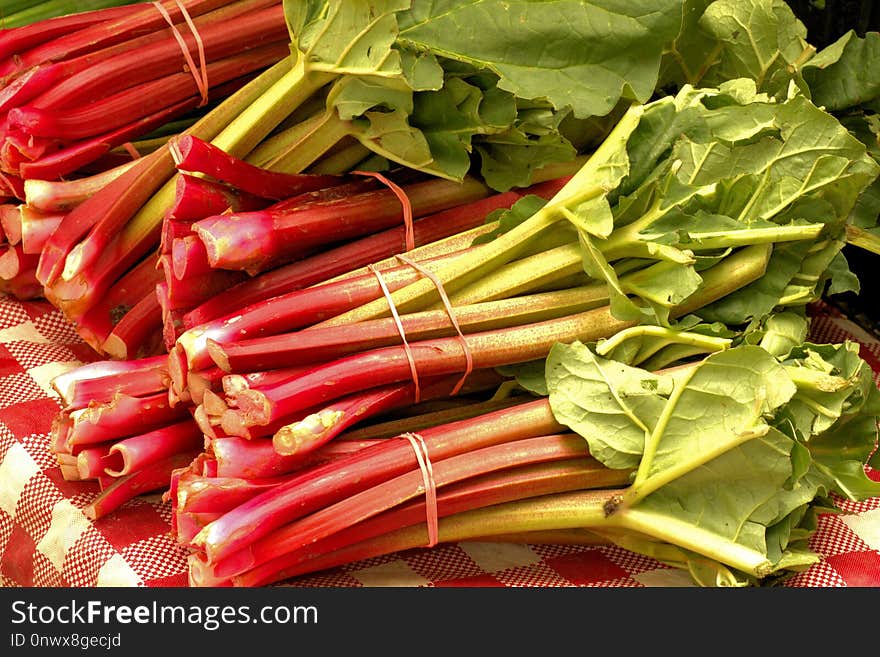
{"points": [[321, 486], [319, 427], [14, 261], [396, 491], [158, 54], [239, 457], [187, 525], [319, 344], [95, 326], [119, 201], [154, 477], [198, 494], [138, 333], [189, 279], [435, 357], [23, 286], [404, 527], [123, 108], [11, 186], [329, 263], [50, 84], [309, 430], [67, 160], [196, 198], [105, 33], [297, 309], [100, 380], [189, 258], [18, 39], [138, 452], [120, 417], [92, 462], [258, 240], [196, 155], [83, 283]]}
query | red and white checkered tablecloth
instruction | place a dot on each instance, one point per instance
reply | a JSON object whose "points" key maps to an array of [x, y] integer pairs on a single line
{"points": [[45, 540]]}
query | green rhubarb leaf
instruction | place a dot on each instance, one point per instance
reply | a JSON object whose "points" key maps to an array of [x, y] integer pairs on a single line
{"points": [[778, 171], [355, 96], [866, 128], [533, 140], [529, 375], [509, 159], [691, 52], [582, 55], [721, 480], [841, 278], [353, 37], [508, 218], [808, 153], [663, 285], [803, 486], [840, 76], [719, 498], [759, 39], [866, 211], [421, 70], [817, 138], [783, 331], [662, 123], [390, 135], [728, 396], [790, 536], [450, 117], [523, 134], [837, 388], [593, 217], [840, 454], [611, 405], [832, 380], [753, 162], [638, 344]]}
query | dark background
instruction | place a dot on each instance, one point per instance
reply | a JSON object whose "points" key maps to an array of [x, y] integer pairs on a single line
{"points": [[826, 24]]}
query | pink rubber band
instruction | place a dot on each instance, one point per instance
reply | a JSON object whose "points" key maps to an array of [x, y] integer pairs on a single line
{"points": [[199, 73], [406, 347], [410, 239], [468, 356], [421, 450], [131, 150]]}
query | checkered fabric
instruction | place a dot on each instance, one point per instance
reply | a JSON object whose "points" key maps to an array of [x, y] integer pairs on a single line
{"points": [[45, 540]]}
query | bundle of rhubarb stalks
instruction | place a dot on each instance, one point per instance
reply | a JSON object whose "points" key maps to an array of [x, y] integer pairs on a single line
{"points": [[373, 276]]}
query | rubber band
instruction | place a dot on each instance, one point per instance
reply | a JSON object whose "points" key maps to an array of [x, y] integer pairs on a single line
{"points": [[199, 73], [131, 150], [410, 235], [421, 450], [468, 356], [406, 348]]}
